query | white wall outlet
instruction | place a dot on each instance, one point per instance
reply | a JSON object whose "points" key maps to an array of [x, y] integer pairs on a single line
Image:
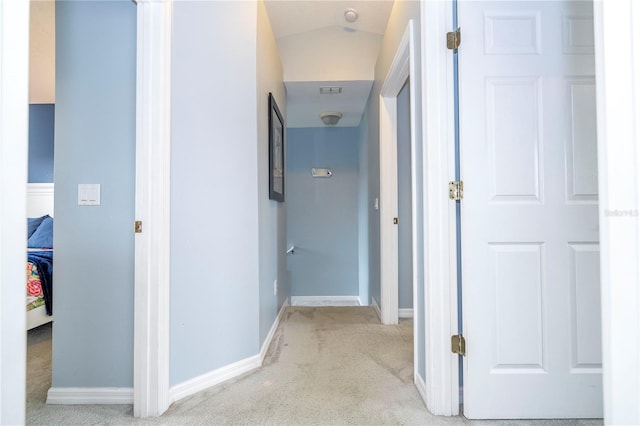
{"points": [[275, 287]]}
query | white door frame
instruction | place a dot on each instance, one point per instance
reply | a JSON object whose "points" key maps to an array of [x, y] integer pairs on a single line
{"points": [[14, 130], [617, 41], [152, 246], [619, 186], [439, 216], [403, 65]]}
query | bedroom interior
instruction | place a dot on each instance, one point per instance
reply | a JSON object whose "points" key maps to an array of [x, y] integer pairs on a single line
{"points": [[40, 245], [40, 186]]}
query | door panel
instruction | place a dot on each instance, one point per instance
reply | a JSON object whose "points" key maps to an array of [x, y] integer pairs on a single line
{"points": [[530, 210]]}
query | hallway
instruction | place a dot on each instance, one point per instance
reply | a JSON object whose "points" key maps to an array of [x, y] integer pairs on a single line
{"points": [[328, 365]]}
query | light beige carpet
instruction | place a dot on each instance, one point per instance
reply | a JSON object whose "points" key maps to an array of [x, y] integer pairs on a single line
{"points": [[326, 366]]}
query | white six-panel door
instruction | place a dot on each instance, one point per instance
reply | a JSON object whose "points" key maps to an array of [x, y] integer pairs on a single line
{"points": [[530, 264]]}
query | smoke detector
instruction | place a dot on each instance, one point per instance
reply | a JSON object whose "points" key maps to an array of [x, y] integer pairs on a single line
{"points": [[351, 15], [330, 118]]}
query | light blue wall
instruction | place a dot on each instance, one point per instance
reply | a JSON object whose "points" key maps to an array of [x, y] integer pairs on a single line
{"points": [[272, 214], [405, 251], [95, 143], [369, 160], [323, 212], [214, 188], [41, 127], [365, 208]]}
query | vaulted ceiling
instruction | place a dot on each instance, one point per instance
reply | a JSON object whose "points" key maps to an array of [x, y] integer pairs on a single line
{"points": [[319, 47]]}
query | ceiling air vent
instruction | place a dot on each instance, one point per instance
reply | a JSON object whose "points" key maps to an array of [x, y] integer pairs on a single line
{"points": [[329, 90]]}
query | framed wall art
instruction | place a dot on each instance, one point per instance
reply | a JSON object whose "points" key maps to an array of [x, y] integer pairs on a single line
{"points": [[276, 152]]}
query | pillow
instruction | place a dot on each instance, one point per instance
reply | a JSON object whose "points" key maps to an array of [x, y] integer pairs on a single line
{"points": [[43, 236], [33, 223]]}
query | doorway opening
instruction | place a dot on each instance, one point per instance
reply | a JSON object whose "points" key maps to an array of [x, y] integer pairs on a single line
{"points": [[402, 68], [40, 199]]}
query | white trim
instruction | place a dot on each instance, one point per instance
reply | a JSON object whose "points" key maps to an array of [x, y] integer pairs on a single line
{"points": [[152, 257], [376, 308], [417, 232], [37, 317], [213, 378], [325, 301], [617, 53], [440, 295], [228, 372], [272, 332], [40, 188], [402, 66], [14, 130], [89, 396], [421, 386], [405, 313], [40, 199]]}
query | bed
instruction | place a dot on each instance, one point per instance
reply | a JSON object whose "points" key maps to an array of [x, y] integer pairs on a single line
{"points": [[39, 273]]}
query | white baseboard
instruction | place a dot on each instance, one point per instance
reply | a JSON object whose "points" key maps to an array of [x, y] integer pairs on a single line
{"points": [[227, 372], [405, 313], [325, 301], [37, 317], [421, 386], [92, 396], [376, 307], [213, 378], [272, 332]]}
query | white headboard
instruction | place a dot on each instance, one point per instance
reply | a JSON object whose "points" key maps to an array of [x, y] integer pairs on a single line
{"points": [[39, 199]]}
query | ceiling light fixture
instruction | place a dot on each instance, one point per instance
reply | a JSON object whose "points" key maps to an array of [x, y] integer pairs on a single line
{"points": [[330, 118], [351, 15]]}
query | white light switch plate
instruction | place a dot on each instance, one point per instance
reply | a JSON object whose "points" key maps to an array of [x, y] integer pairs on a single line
{"points": [[89, 194]]}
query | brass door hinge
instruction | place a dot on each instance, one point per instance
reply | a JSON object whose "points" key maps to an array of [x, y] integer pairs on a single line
{"points": [[137, 227], [458, 345], [453, 39], [395, 220], [455, 190]]}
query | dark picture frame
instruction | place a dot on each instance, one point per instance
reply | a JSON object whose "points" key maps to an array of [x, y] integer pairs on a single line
{"points": [[276, 151]]}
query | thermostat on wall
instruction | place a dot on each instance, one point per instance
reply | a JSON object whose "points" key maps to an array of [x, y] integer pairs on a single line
{"points": [[321, 173]]}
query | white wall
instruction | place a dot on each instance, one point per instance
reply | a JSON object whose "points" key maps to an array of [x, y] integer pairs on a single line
{"points": [[306, 57]]}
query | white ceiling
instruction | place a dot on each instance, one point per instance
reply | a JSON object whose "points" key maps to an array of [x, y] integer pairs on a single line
{"points": [[42, 52], [318, 47]]}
